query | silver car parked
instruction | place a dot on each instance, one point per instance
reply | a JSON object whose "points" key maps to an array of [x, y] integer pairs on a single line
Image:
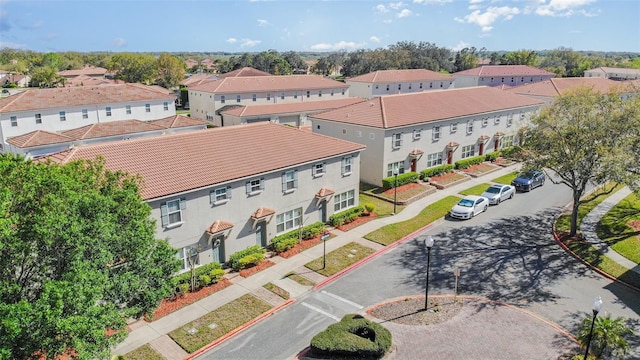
{"points": [[498, 193]]}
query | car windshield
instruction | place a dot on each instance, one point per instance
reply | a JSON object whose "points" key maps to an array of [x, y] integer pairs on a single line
{"points": [[493, 190], [466, 203], [527, 175]]}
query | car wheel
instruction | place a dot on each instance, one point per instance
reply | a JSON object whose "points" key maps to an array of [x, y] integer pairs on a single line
{"points": [[511, 196], [487, 206]]}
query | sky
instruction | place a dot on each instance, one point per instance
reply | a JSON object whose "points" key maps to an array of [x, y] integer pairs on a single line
{"points": [[240, 26]]}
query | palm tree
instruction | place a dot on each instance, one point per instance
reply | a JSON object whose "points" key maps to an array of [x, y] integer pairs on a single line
{"points": [[608, 336]]}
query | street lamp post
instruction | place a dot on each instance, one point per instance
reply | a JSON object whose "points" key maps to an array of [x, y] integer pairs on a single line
{"points": [[395, 189], [597, 306], [428, 242]]}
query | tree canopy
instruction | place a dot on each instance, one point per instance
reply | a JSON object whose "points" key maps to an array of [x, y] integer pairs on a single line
{"points": [[587, 138], [78, 256], [171, 71]]}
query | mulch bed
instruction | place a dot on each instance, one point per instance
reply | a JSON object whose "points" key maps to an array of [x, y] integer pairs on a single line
{"points": [[479, 168], [402, 188], [167, 306], [446, 178], [359, 221], [300, 247], [254, 269], [410, 311]]}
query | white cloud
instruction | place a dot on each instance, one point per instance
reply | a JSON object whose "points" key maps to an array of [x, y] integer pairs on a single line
{"points": [[263, 22], [485, 20], [563, 7], [232, 40], [387, 21], [249, 43], [404, 13], [10, 45], [118, 42], [342, 45], [435, 2], [461, 45], [381, 8], [396, 6], [375, 39]]}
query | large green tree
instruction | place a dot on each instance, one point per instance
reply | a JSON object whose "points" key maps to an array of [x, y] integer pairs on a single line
{"points": [[78, 256], [586, 138], [171, 71], [134, 68]]}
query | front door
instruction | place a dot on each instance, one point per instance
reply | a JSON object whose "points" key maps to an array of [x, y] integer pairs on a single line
{"points": [[481, 150], [217, 249], [261, 234], [496, 144], [413, 165], [323, 211], [449, 156]]}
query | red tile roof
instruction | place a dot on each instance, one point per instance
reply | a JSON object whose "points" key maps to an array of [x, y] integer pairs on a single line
{"points": [[181, 162], [86, 80], [198, 79], [504, 70], [268, 83], [218, 226], [387, 76], [245, 71], [34, 99], [324, 192], [262, 212], [86, 70], [111, 128], [558, 86], [38, 138], [408, 109], [177, 121], [283, 108]]}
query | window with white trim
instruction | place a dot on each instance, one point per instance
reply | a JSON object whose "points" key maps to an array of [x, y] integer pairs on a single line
{"points": [[220, 195], [14, 121], [485, 122], [171, 212], [420, 85], [507, 141], [38, 119], [282, 96], [332, 91], [454, 127], [165, 106], [417, 134], [63, 116], [468, 151], [254, 97], [108, 110], [496, 121], [268, 96], [344, 200], [436, 133], [391, 166], [295, 95], [255, 186], [85, 113], [347, 163], [434, 159], [187, 252], [509, 120], [318, 169], [289, 220], [223, 99], [399, 86], [387, 87], [238, 98], [396, 140], [290, 181], [342, 91], [308, 93], [147, 107], [319, 93], [469, 126], [128, 109]]}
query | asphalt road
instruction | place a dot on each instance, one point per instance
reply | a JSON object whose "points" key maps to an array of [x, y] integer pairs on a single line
{"points": [[506, 254]]}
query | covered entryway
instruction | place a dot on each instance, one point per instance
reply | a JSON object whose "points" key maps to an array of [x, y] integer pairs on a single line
{"points": [[322, 198], [260, 219], [218, 232]]}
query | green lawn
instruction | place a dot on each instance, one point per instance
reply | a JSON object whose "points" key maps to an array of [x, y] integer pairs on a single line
{"points": [[564, 221], [340, 258], [614, 229], [277, 290], [506, 179], [300, 279], [382, 207], [144, 352], [391, 233], [475, 190]]}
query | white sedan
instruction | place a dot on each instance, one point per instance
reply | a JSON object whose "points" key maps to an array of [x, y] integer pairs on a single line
{"points": [[499, 192], [469, 207]]}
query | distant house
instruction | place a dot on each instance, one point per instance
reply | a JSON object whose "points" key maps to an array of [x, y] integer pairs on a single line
{"points": [[208, 98], [550, 89], [86, 80], [19, 80], [292, 114], [613, 73], [206, 194], [413, 132], [388, 82], [87, 70], [60, 109], [41, 142], [198, 79], [500, 75], [190, 63]]}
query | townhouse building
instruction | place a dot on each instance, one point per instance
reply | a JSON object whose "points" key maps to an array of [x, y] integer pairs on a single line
{"points": [[550, 89], [500, 75], [389, 82], [60, 109], [413, 132], [618, 74], [222, 190], [207, 99]]}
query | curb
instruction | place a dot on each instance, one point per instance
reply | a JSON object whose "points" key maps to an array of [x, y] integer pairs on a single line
{"points": [[238, 329]]}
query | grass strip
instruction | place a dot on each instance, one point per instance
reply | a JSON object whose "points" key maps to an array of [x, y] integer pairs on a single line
{"points": [[144, 352], [475, 190], [564, 221], [381, 207], [391, 233], [219, 322], [277, 290], [340, 258], [300, 279], [506, 179], [613, 228]]}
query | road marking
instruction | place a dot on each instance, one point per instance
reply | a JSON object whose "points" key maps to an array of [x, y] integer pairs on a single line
{"points": [[321, 311], [357, 306]]}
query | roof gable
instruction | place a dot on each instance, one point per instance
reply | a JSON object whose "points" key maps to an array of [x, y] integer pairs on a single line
{"points": [[38, 138]]}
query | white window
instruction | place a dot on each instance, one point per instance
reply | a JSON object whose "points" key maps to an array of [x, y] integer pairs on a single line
{"points": [[417, 134], [295, 95], [220, 195], [347, 162], [254, 97], [188, 254], [63, 116], [507, 141], [469, 126], [387, 87], [485, 121], [399, 86], [522, 115], [343, 201], [436, 132], [14, 121], [282, 96], [342, 91], [509, 120], [399, 165], [319, 93], [409, 86], [171, 212], [318, 169], [165, 106], [85, 114], [38, 119], [255, 186], [223, 99], [434, 159], [128, 109], [289, 181], [468, 151], [496, 121], [289, 220], [454, 127], [396, 140], [268, 96], [108, 110], [238, 98], [372, 136], [332, 91], [420, 85], [147, 107]]}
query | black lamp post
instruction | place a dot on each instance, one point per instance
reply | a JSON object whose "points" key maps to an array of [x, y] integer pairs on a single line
{"points": [[428, 242], [597, 306], [395, 189]]}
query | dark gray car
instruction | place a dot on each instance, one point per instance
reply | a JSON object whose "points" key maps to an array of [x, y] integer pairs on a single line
{"points": [[529, 180]]}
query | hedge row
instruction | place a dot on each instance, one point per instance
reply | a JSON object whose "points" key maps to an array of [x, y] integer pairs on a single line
{"points": [[249, 261], [403, 179], [353, 337], [345, 217], [465, 163], [436, 170], [234, 259], [288, 240], [211, 272]]}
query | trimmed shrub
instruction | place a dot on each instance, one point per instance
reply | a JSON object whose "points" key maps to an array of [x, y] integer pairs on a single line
{"points": [[204, 280], [436, 171], [465, 163], [235, 257], [307, 232], [183, 288], [207, 269], [346, 216], [216, 275], [284, 244], [403, 179], [492, 156], [249, 261], [353, 337], [312, 230], [369, 207]]}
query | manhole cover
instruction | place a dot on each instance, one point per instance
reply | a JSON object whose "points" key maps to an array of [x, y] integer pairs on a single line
{"points": [[350, 255], [213, 326], [192, 331]]}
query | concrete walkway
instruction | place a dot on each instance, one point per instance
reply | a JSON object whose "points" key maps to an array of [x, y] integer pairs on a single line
{"points": [[590, 221]]}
